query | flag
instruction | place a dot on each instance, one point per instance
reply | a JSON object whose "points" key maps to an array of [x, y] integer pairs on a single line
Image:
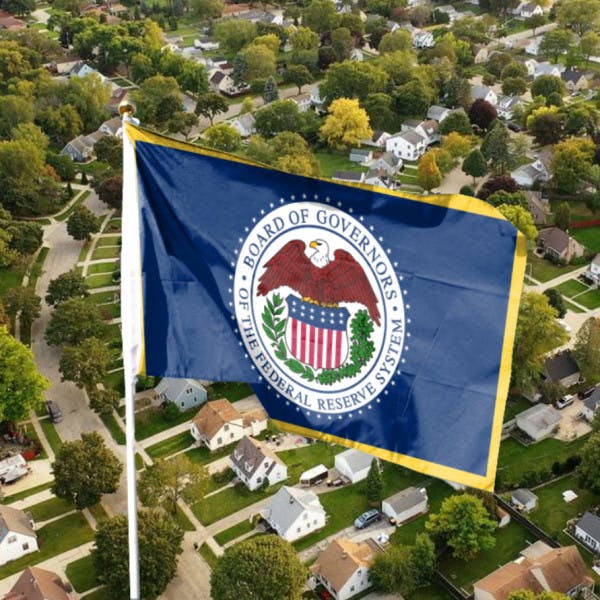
{"points": [[366, 317]]}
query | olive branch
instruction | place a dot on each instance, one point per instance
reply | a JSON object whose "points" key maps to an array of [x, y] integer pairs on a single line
{"points": [[361, 345]]}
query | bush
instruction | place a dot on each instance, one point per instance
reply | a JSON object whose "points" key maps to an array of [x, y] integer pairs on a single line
{"points": [[171, 412], [467, 190]]}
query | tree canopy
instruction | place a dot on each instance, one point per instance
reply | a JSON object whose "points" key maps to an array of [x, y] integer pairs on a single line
{"points": [[346, 124], [67, 285], [73, 321]]}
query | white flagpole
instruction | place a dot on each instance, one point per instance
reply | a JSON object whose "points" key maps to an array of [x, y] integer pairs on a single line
{"points": [[131, 331]]}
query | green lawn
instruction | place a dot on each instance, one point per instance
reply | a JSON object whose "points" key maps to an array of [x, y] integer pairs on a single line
{"points": [[571, 288], [229, 389], [202, 455], [63, 216], [97, 268], [336, 162], [553, 512], [82, 574], [97, 281], [572, 307], [152, 420], [543, 270], [108, 240], [11, 277], [516, 459], [114, 428], [26, 493], [431, 592], [233, 532], [106, 252], [97, 595], [51, 434], [98, 511], [49, 509], [84, 250], [589, 237], [115, 381], [171, 445], [299, 460], [110, 311], [55, 538], [590, 299], [113, 226], [514, 406], [184, 521], [208, 555], [102, 297]]}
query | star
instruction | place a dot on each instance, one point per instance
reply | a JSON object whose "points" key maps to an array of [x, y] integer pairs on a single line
{"points": [[230, 276], [329, 417], [232, 264], [380, 239], [370, 407], [385, 392], [239, 343], [327, 199], [293, 197], [339, 204], [322, 320], [230, 290], [406, 348], [304, 196], [408, 320], [240, 240], [271, 205], [371, 228], [281, 200], [395, 264], [403, 360], [318, 416], [350, 415], [312, 317], [361, 218], [262, 211], [235, 252], [388, 251], [316, 196], [393, 383], [350, 210], [405, 292], [408, 334], [254, 219], [246, 229]]}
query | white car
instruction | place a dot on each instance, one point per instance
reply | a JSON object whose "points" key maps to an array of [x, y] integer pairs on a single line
{"points": [[565, 401]]}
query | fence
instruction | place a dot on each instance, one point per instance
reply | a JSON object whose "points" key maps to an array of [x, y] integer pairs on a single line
{"points": [[456, 592]]}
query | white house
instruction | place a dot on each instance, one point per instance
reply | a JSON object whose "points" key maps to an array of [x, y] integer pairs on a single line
{"points": [[349, 176], [39, 584], [407, 145], [406, 504], [539, 421], [545, 68], [353, 464], [593, 271], [591, 404], [294, 513], [587, 529], [533, 47], [360, 155], [220, 81], [183, 393], [480, 54], [206, 44], [506, 105], [527, 175], [111, 127], [254, 464], [343, 567], [524, 499], [387, 162], [219, 423], [527, 9], [81, 148], [245, 125], [449, 10], [376, 178], [485, 93], [303, 101], [17, 537], [437, 113], [378, 139], [422, 38], [82, 69]]}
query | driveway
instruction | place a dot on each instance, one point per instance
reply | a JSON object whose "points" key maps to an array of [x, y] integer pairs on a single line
{"points": [[572, 426]]}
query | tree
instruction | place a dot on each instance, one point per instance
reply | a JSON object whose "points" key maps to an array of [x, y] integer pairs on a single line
{"points": [[157, 98], [351, 79], [521, 218], [89, 96], [398, 40], [379, 109], [282, 575], [21, 385], [464, 525], [546, 125], [496, 147], [458, 93], [67, 285], [110, 191], [342, 43], [82, 223], [24, 303], [428, 173], [299, 164], [182, 122], [160, 539], [514, 86], [109, 149], [590, 45], [457, 121], [493, 185], [346, 124], [579, 15], [281, 115], [25, 238], [320, 16], [482, 113], [475, 164], [545, 85], [223, 137], [211, 104], [588, 472], [535, 21], [298, 75], [86, 364], [84, 470], [374, 483], [529, 595], [207, 9], [562, 216], [103, 401], [63, 165], [556, 42], [571, 164], [259, 62], [234, 34], [580, 119], [412, 98], [14, 110], [555, 298], [304, 38], [73, 321], [271, 92], [587, 349], [537, 333]]}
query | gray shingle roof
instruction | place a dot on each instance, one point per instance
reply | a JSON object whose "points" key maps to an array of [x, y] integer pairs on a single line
{"points": [[289, 503], [590, 523], [524, 496], [347, 175], [561, 365], [356, 460], [406, 499], [593, 401], [539, 417], [173, 388], [12, 519], [250, 454]]}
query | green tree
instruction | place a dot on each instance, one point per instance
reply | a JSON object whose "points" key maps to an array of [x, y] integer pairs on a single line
{"points": [[182, 122], [207, 9], [562, 216], [590, 45], [304, 38], [475, 164], [346, 124], [89, 96], [351, 79], [235, 574], [571, 164], [103, 401], [223, 137], [546, 125], [496, 147], [521, 218], [579, 16], [458, 94], [21, 385], [26, 237], [14, 110], [374, 483], [85, 470], [428, 173], [110, 191], [587, 349], [464, 525], [556, 42], [412, 98], [109, 149], [82, 223], [342, 43], [160, 539], [514, 86], [400, 39], [534, 22], [166, 481], [259, 60], [380, 111], [555, 298], [73, 321], [270, 93], [61, 123], [281, 115], [545, 85], [22, 302], [320, 16], [588, 472], [456, 121], [298, 75], [537, 333], [209, 105], [157, 98], [86, 364], [529, 595], [234, 34]]}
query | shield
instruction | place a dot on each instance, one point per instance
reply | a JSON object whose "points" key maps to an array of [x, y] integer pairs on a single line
{"points": [[317, 335]]}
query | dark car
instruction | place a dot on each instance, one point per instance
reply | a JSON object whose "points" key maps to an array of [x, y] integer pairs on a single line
{"points": [[586, 393], [367, 518], [514, 126], [54, 411]]}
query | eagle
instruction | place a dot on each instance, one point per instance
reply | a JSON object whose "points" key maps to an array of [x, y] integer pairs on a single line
{"points": [[318, 279]]}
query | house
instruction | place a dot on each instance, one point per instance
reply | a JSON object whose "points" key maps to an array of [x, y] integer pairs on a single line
{"points": [[17, 537], [294, 513], [558, 244], [527, 9], [407, 145], [10, 23], [183, 393], [562, 369], [591, 403], [539, 569], [64, 64], [574, 80], [503, 517], [207, 44], [303, 101], [80, 149], [256, 464], [358, 155], [524, 499], [485, 93], [422, 39], [428, 129], [39, 584], [527, 175], [539, 421], [376, 178], [378, 139], [391, 25], [546, 68], [387, 162], [357, 55], [406, 504], [538, 206], [593, 272], [449, 10], [480, 54], [437, 113], [245, 125], [343, 567], [348, 176], [82, 69], [533, 47], [111, 127], [220, 81], [353, 464], [219, 423], [587, 529], [506, 105]]}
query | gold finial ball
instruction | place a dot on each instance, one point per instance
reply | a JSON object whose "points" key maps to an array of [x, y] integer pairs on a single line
{"points": [[127, 108]]}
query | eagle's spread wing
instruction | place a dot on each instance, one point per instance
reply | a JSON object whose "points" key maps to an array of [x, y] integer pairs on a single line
{"points": [[291, 267], [346, 282]]}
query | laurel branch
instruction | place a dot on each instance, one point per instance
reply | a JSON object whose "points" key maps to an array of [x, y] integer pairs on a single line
{"points": [[361, 345]]}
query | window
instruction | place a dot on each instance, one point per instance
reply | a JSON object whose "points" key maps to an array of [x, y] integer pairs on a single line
{"points": [[219, 441], [226, 427], [12, 538], [258, 479], [25, 546], [182, 404], [231, 435], [305, 516], [352, 589], [298, 530]]}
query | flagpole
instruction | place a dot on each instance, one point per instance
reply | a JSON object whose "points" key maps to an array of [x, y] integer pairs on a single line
{"points": [[127, 110]]}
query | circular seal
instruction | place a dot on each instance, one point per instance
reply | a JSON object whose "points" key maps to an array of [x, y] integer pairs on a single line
{"points": [[319, 307]]}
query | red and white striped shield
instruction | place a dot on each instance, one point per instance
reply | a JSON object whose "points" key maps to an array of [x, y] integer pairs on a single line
{"points": [[316, 335]]}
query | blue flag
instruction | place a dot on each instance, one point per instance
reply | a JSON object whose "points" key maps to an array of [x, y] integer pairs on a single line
{"points": [[371, 318]]}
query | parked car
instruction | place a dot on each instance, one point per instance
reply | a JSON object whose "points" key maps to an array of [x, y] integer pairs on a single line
{"points": [[54, 411], [367, 518], [564, 401], [586, 393], [335, 482]]}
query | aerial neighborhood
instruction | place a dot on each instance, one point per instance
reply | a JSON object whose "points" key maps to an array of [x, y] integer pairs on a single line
{"points": [[496, 100]]}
